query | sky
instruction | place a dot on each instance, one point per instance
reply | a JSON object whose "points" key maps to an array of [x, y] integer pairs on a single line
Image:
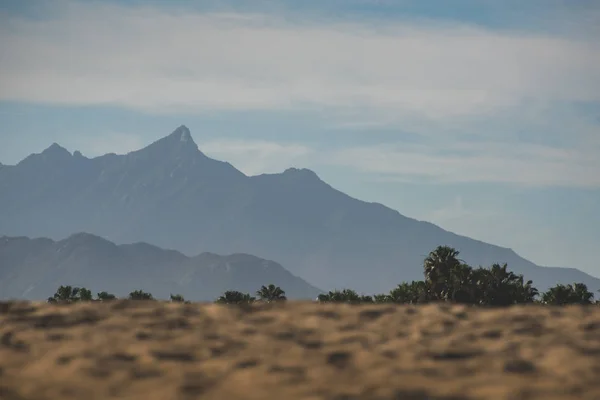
{"points": [[481, 116]]}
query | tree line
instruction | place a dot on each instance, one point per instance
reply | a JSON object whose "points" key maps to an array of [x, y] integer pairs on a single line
{"points": [[446, 279], [70, 294]]}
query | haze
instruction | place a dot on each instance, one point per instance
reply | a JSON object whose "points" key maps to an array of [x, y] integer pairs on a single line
{"points": [[480, 117]]}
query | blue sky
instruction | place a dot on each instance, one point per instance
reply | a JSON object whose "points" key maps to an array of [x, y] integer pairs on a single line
{"points": [[480, 116]]}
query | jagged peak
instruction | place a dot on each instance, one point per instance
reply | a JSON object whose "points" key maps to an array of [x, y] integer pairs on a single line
{"points": [[183, 133], [178, 141]]}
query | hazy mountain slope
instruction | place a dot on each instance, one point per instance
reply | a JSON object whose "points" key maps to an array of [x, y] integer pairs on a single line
{"points": [[172, 195], [34, 268], [55, 194]]}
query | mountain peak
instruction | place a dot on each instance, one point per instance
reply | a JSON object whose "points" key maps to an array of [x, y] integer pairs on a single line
{"points": [[178, 143], [53, 155], [56, 150], [83, 236], [301, 173], [87, 239], [183, 134], [180, 139]]}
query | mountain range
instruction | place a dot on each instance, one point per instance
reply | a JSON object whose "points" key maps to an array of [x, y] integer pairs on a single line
{"points": [[172, 195], [35, 268]]}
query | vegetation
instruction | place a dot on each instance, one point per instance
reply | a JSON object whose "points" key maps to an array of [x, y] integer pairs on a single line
{"points": [[235, 297], [104, 296], [446, 279], [177, 298], [140, 295], [449, 279], [70, 294], [270, 294], [344, 296], [570, 294]]}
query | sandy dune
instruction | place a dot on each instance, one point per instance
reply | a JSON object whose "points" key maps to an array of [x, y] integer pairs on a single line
{"points": [[162, 351]]}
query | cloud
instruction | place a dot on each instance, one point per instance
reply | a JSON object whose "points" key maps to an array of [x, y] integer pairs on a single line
{"points": [[460, 162], [256, 157], [493, 105], [160, 61], [531, 165]]}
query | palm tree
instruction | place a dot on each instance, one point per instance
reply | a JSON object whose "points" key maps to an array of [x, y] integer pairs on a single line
{"points": [[177, 298], [62, 294], [83, 294], [70, 294], [558, 295], [408, 293], [365, 299], [498, 287], [381, 298], [461, 287], [526, 293], [329, 297], [568, 294], [437, 268], [105, 296], [343, 296], [271, 293], [235, 297], [140, 295], [581, 294]]}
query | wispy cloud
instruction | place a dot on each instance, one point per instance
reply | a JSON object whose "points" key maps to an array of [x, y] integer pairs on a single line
{"points": [[529, 165], [495, 105], [105, 54], [461, 162]]}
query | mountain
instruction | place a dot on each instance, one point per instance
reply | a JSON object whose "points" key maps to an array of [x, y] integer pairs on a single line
{"points": [[35, 268], [172, 195]]}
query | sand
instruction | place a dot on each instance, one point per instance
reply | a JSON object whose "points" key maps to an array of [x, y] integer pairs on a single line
{"points": [[162, 351]]}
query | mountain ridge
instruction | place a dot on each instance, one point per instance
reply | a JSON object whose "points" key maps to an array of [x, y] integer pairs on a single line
{"points": [[172, 195], [34, 267]]}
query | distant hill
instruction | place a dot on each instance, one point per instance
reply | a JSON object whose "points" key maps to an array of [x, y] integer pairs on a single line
{"points": [[34, 268], [172, 195]]}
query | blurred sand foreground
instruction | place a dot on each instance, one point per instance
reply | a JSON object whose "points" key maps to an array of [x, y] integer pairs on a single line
{"points": [[161, 351]]}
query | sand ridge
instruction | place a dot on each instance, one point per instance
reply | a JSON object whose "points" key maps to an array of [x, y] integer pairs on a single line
{"points": [[299, 350]]}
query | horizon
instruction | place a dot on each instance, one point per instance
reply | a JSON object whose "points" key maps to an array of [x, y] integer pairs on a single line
{"points": [[480, 118]]}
